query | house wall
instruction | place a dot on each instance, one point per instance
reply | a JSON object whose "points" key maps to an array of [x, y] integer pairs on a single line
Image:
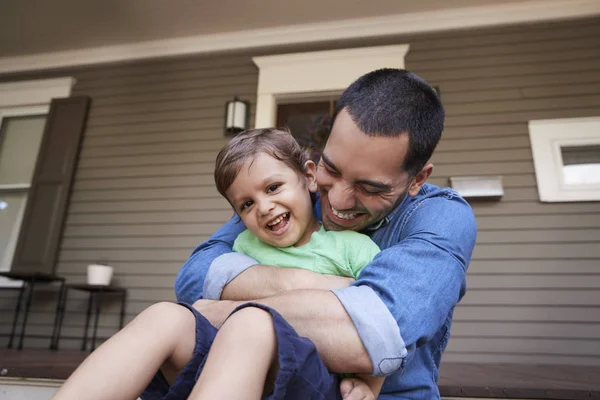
{"points": [[144, 197]]}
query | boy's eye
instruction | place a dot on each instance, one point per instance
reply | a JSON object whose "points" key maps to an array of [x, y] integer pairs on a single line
{"points": [[246, 205], [273, 187]]}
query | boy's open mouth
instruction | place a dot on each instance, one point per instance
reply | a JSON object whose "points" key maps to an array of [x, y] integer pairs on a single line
{"points": [[279, 223]]}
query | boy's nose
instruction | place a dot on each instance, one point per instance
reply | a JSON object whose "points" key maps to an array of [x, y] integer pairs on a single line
{"points": [[265, 207]]}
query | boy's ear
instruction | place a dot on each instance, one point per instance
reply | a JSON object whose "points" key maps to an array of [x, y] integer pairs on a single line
{"points": [[310, 173]]}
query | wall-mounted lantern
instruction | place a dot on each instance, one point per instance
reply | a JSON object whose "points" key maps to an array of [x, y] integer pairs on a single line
{"points": [[237, 114]]}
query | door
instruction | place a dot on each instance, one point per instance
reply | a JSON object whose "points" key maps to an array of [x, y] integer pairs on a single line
{"points": [[309, 122]]}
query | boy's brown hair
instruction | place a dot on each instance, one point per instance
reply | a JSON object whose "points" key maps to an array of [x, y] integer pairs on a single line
{"points": [[277, 143]]}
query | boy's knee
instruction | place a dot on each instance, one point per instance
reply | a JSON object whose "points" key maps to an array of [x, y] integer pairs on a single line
{"points": [[165, 314], [252, 320]]}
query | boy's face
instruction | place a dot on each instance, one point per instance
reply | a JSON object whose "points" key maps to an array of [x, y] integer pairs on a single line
{"points": [[273, 201], [361, 178]]}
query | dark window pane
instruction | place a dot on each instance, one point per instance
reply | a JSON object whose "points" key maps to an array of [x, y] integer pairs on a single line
{"points": [[309, 123]]}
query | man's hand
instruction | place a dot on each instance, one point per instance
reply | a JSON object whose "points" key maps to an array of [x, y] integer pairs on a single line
{"points": [[356, 389]]}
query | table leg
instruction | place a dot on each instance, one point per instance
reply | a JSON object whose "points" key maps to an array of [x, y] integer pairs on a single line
{"points": [[57, 317], [29, 296], [87, 321], [123, 301], [98, 302], [17, 312]]}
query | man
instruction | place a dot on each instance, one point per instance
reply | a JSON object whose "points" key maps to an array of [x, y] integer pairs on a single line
{"points": [[395, 319]]}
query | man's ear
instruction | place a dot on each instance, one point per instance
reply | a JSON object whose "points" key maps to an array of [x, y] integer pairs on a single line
{"points": [[310, 173], [419, 180]]}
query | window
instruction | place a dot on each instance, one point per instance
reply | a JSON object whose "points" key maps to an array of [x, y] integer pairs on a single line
{"points": [[566, 154], [310, 123], [23, 109]]}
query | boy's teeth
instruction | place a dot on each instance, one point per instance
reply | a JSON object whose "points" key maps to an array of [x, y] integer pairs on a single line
{"points": [[278, 220], [343, 215]]}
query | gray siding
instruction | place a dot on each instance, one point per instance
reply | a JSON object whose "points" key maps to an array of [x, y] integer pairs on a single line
{"points": [[144, 196], [534, 282]]}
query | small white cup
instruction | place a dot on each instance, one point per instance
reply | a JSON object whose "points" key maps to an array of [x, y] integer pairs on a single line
{"points": [[99, 274]]}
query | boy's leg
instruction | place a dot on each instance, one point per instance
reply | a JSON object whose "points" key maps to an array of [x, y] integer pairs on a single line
{"points": [[238, 364], [124, 365], [240, 358]]}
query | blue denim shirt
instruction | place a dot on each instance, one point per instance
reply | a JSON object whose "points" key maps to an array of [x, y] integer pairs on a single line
{"points": [[403, 301]]}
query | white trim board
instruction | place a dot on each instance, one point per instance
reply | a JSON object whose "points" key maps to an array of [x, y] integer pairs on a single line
{"points": [[316, 73], [36, 92], [429, 21]]}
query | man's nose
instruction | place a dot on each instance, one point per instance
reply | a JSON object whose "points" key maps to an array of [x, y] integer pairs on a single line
{"points": [[341, 196]]}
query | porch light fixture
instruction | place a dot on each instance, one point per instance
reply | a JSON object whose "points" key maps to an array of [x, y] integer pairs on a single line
{"points": [[478, 187], [236, 116]]}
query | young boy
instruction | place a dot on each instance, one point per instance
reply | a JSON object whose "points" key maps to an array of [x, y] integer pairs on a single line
{"points": [[268, 179]]}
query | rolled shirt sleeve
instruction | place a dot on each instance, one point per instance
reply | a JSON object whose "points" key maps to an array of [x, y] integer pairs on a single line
{"points": [[376, 327], [222, 271]]}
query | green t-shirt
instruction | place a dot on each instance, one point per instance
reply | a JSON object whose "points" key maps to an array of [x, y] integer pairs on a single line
{"points": [[341, 253]]}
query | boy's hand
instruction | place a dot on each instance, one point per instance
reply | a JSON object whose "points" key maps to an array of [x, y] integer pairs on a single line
{"points": [[356, 389]]}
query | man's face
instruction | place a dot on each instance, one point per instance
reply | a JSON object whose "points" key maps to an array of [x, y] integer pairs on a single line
{"points": [[360, 177]]}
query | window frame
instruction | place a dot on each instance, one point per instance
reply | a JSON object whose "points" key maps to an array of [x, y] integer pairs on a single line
{"points": [[547, 138], [316, 75]]}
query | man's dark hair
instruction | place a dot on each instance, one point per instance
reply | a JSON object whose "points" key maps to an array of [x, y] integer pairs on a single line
{"points": [[391, 102]]}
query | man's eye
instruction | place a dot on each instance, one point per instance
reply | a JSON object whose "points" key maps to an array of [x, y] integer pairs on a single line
{"points": [[371, 192], [331, 172], [273, 187], [246, 205]]}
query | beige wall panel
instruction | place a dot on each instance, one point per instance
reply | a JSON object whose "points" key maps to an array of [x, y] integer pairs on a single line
{"points": [[146, 218], [145, 194], [154, 148], [539, 236], [545, 297], [143, 183], [517, 81], [557, 221], [526, 329], [121, 102], [451, 356], [541, 314], [157, 159], [163, 80], [535, 281]]}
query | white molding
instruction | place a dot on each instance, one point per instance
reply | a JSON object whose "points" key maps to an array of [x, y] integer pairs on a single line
{"points": [[317, 73], [409, 23], [35, 92], [547, 137]]}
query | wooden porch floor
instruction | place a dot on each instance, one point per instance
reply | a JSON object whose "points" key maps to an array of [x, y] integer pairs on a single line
{"points": [[456, 380]]}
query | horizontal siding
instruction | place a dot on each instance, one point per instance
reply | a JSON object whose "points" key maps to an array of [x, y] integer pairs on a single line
{"points": [[144, 195], [533, 284]]}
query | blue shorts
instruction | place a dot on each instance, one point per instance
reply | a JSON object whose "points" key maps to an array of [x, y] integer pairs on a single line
{"points": [[302, 375]]}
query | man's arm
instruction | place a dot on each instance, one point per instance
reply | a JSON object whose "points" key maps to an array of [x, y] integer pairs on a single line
{"points": [[400, 300], [189, 284], [260, 281]]}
